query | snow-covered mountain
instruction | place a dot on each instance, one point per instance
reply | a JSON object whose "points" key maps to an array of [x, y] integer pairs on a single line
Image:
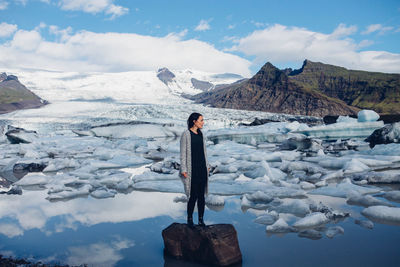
{"points": [[130, 87]]}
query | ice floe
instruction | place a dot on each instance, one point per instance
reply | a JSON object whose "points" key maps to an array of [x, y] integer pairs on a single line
{"points": [[334, 231], [311, 220], [344, 189], [383, 214], [280, 226]]}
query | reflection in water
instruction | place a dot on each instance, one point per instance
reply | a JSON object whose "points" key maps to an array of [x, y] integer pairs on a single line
{"points": [[99, 254]]}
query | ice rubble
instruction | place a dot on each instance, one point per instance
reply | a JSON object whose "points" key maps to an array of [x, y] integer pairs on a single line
{"points": [[344, 189], [367, 201]]}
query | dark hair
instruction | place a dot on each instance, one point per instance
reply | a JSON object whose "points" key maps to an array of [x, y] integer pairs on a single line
{"points": [[193, 117]]}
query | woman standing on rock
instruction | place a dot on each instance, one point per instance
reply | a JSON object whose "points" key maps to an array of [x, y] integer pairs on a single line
{"points": [[194, 171]]}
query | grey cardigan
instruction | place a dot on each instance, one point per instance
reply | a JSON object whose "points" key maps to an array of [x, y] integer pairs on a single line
{"points": [[186, 161]]}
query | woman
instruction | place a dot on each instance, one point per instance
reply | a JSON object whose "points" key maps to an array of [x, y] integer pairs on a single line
{"points": [[194, 171]]}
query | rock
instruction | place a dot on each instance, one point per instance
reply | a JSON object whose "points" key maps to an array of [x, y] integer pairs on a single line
{"points": [[19, 135], [29, 167], [165, 75], [214, 244], [202, 85], [389, 133]]}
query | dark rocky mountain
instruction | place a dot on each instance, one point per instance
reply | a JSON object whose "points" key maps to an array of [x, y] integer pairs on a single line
{"points": [[202, 85], [273, 90], [362, 89], [14, 95], [165, 75]]}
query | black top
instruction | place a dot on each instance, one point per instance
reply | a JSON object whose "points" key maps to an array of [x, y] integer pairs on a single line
{"points": [[199, 169]]}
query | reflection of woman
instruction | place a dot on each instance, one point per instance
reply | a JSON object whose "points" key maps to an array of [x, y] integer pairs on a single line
{"points": [[194, 171]]}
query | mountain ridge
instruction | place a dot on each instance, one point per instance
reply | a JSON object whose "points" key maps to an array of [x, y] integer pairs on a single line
{"points": [[315, 89]]}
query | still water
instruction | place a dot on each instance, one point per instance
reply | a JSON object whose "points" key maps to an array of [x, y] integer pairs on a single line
{"points": [[126, 231]]}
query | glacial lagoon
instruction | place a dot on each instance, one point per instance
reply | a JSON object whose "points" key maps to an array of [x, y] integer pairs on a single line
{"points": [[104, 200]]}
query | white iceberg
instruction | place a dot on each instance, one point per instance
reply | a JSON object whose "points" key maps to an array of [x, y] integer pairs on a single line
{"points": [[280, 226], [390, 215], [312, 220], [367, 115]]}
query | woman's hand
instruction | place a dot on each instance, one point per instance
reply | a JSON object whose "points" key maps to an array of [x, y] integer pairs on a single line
{"points": [[185, 174]]}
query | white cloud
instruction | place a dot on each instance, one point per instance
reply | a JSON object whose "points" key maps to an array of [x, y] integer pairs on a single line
{"points": [[7, 29], [204, 25], [94, 7], [114, 52], [377, 28], [281, 44], [3, 5]]}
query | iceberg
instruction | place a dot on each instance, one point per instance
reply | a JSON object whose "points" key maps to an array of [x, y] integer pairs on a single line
{"points": [[344, 189], [293, 206], [280, 226], [311, 220], [367, 201], [383, 214], [392, 196], [367, 115], [343, 130], [268, 218]]}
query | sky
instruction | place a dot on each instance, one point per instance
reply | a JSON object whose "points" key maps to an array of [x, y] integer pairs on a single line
{"points": [[222, 36]]}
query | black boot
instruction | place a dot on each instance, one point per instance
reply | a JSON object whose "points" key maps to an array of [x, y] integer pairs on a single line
{"points": [[201, 222], [190, 222]]}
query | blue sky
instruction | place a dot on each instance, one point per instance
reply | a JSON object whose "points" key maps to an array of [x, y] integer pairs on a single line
{"points": [[217, 36]]}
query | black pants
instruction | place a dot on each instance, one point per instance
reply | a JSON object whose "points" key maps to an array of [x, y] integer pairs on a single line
{"points": [[197, 191]]}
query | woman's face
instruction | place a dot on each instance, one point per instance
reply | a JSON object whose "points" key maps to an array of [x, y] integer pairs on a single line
{"points": [[199, 123]]}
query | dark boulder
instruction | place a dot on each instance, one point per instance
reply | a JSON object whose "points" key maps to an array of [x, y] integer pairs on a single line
{"points": [[389, 133], [213, 245]]}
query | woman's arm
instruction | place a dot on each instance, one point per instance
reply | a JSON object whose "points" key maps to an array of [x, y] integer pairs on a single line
{"points": [[183, 148]]}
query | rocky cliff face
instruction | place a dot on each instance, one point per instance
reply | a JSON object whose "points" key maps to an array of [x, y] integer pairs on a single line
{"points": [[273, 90], [14, 95], [362, 89]]}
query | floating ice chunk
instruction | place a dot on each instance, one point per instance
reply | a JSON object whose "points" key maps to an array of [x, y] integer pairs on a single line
{"points": [[59, 164], [364, 223], [355, 166], [367, 115], [182, 198], [367, 201], [289, 166], [391, 176], [149, 175], [246, 204], [344, 189], [383, 214], [392, 196], [280, 226], [333, 175], [293, 206], [268, 218], [333, 231], [124, 184], [260, 197], [306, 185], [311, 220], [223, 177], [310, 234], [225, 169], [215, 200], [172, 186], [70, 193], [388, 149], [34, 179], [321, 183], [103, 193], [343, 130], [346, 119], [243, 178]]}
